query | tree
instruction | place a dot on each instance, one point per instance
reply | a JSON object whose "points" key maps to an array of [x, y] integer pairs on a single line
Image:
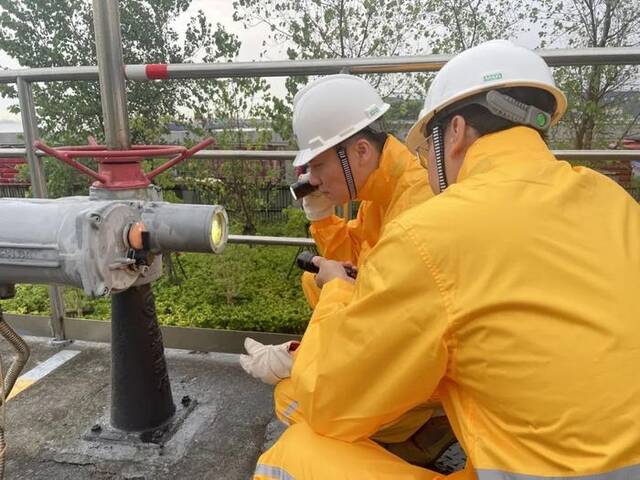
{"points": [[44, 33], [462, 24], [593, 91], [314, 29], [339, 28]]}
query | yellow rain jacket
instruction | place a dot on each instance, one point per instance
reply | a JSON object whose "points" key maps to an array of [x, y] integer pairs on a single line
{"points": [[515, 293], [397, 184]]}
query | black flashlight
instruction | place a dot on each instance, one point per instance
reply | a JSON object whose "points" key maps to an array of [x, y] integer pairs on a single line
{"points": [[304, 261], [301, 189]]}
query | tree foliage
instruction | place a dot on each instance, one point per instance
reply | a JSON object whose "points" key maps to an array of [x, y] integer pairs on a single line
{"points": [[321, 29], [461, 24], [594, 102], [315, 29], [46, 33], [339, 28]]}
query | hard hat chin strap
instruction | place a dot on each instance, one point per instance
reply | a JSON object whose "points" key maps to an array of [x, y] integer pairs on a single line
{"points": [[346, 169], [437, 138]]}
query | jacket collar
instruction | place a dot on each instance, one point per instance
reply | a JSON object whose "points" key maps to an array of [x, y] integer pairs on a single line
{"points": [[496, 149]]}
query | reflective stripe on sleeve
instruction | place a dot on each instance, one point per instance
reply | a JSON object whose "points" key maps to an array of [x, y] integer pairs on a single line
{"points": [[626, 473], [272, 472]]}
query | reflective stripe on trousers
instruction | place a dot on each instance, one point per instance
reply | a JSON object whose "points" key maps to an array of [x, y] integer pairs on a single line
{"points": [[272, 472], [626, 473]]}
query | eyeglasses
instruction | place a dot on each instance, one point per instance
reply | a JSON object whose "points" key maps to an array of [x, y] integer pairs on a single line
{"points": [[422, 151]]}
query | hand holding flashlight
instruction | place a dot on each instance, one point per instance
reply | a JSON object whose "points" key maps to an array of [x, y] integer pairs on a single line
{"points": [[326, 270]]}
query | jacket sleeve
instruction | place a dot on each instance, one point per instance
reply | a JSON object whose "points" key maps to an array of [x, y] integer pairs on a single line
{"points": [[375, 350], [342, 240]]}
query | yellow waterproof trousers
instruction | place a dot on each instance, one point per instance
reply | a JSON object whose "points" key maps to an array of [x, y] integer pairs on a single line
{"points": [[287, 410], [301, 454]]}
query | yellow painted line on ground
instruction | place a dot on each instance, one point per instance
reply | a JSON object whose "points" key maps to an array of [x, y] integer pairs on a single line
{"points": [[20, 385], [42, 370]]}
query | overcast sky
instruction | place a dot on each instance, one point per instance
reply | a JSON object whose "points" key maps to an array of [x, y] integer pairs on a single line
{"points": [[217, 11]]}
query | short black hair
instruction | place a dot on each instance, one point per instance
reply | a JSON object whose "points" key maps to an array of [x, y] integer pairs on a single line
{"points": [[375, 132], [378, 138], [485, 122]]}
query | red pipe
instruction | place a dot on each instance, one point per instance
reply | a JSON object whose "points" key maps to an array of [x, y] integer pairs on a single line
{"points": [[66, 159], [184, 155]]}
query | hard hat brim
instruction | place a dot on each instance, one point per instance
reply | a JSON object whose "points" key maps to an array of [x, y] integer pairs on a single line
{"points": [[303, 157]]}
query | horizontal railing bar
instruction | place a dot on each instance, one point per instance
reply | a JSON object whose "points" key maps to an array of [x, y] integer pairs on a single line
{"points": [[49, 74], [417, 63], [597, 155], [262, 240], [188, 338], [282, 155]]}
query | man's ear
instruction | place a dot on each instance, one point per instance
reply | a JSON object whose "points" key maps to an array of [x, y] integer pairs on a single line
{"points": [[457, 135], [365, 153]]}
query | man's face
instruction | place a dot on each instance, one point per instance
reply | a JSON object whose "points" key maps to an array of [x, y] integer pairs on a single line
{"points": [[325, 170], [326, 173], [457, 142], [433, 171], [427, 158]]}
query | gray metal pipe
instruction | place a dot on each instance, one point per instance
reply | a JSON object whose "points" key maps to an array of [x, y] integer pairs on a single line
{"points": [[262, 240], [71, 241], [416, 63], [422, 63], [88, 243], [30, 132], [284, 155], [50, 74], [39, 190], [106, 20], [186, 228], [32, 248]]}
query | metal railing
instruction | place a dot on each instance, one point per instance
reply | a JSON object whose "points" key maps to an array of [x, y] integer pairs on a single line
{"points": [[400, 64], [14, 190], [427, 63], [285, 155]]}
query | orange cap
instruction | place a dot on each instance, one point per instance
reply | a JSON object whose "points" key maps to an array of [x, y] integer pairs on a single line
{"points": [[135, 235]]}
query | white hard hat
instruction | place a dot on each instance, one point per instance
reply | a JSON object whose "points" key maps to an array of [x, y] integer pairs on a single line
{"points": [[491, 65], [331, 109]]}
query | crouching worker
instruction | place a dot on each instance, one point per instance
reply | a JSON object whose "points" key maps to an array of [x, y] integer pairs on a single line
{"points": [[513, 292], [348, 157]]}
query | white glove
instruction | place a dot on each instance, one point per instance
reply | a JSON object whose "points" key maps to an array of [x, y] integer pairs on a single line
{"points": [[316, 205], [269, 363]]}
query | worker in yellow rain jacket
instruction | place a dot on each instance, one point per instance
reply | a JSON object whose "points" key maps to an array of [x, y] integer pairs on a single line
{"points": [[514, 292], [348, 158]]}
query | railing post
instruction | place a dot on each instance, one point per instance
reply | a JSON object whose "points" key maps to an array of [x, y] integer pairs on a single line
{"points": [[141, 397], [113, 94], [39, 190]]}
